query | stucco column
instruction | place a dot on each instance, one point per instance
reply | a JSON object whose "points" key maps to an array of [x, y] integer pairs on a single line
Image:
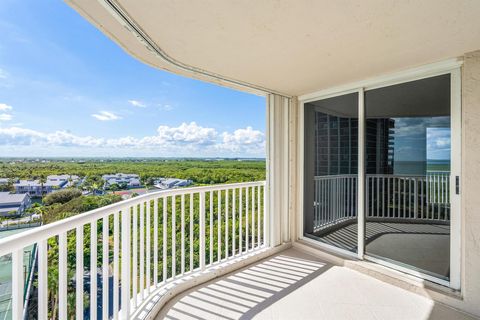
{"points": [[278, 170], [471, 182]]}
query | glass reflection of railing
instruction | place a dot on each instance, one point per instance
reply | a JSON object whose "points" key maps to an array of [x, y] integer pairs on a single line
{"points": [[335, 199], [418, 198], [408, 197]]}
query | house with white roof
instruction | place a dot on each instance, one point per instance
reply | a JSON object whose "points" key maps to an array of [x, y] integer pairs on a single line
{"points": [[53, 182], [130, 179], [12, 204]]}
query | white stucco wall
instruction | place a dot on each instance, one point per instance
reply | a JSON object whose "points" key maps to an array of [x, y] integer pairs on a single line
{"points": [[471, 182]]}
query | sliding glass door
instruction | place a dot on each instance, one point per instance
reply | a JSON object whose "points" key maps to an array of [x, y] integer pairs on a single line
{"points": [[331, 171], [407, 184], [407, 193]]}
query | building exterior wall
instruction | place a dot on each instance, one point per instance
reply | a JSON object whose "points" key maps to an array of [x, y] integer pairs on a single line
{"points": [[471, 182], [468, 298]]}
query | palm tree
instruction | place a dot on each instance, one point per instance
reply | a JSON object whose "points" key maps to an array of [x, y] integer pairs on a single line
{"points": [[42, 180], [70, 181]]}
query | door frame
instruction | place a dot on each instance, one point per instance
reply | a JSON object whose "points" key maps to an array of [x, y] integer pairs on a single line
{"points": [[452, 67]]}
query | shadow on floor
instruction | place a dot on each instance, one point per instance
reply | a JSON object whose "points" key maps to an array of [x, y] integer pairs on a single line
{"points": [[245, 293]]}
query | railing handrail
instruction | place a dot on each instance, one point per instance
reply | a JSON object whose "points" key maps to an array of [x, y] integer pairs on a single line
{"points": [[24, 239], [383, 175], [335, 176]]}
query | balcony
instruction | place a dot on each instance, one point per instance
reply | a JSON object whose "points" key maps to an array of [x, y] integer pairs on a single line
{"points": [[189, 269], [138, 250]]}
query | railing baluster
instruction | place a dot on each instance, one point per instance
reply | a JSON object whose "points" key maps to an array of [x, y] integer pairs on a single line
{"points": [[367, 196], [79, 272], [43, 280], [234, 225], [148, 247], [258, 217], [135, 256], [126, 222], [211, 227], [227, 194], [18, 283], [202, 229], [265, 220], [115, 264], [253, 217], [105, 249], [409, 197], [191, 232], [142, 251], [383, 197], [219, 223], [164, 241], [247, 208], [182, 234], [155, 242], [174, 237], [422, 197], [348, 191], [316, 202], [62, 276], [413, 215], [404, 197], [388, 198], [240, 218]]}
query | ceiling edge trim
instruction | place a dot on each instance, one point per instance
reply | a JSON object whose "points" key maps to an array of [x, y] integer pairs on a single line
{"points": [[123, 18]]}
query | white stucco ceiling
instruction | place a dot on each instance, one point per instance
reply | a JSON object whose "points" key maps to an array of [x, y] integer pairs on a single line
{"points": [[294, 47]]}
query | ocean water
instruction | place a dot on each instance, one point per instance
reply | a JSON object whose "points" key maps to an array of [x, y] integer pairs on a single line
{"points": [[420, 167]]}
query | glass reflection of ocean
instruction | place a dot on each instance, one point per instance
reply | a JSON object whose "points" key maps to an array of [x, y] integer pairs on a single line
{"points": [[420, 167]]}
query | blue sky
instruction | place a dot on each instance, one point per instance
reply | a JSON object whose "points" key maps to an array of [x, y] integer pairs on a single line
{"points": [[419, 139], [68, 90]]}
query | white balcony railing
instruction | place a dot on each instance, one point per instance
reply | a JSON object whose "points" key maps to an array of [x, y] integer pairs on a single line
{"points": [[145, 243], [421, 198]]}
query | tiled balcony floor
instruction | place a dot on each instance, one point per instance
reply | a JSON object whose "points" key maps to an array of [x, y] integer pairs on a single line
{"points": [[296, 285]]}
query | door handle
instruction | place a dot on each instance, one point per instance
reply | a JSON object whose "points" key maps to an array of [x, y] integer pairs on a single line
{"points": [[457, 185]]}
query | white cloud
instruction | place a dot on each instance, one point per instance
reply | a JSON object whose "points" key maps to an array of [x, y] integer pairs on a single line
{"points": [[5, 107], [243, 141], [5, 117], [137, 103], [106, 116], [187, 133], [188, 139]]}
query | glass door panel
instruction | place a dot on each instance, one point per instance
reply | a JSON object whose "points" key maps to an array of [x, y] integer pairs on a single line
{"points": [[331, 171], [407, 182]]}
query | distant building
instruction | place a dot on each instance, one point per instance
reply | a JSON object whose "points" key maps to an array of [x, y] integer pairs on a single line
{"points": [[130, 179], [170, 183], [69, 179], [53, 182], [12, 204]]}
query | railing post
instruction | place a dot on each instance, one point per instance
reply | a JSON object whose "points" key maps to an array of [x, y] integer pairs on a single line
{"points": [[202, 230], [126, 221], [105, 250], [62, 276], [42, 280], [415, 191], [93, 270], [17, 284], [79, 272]]}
